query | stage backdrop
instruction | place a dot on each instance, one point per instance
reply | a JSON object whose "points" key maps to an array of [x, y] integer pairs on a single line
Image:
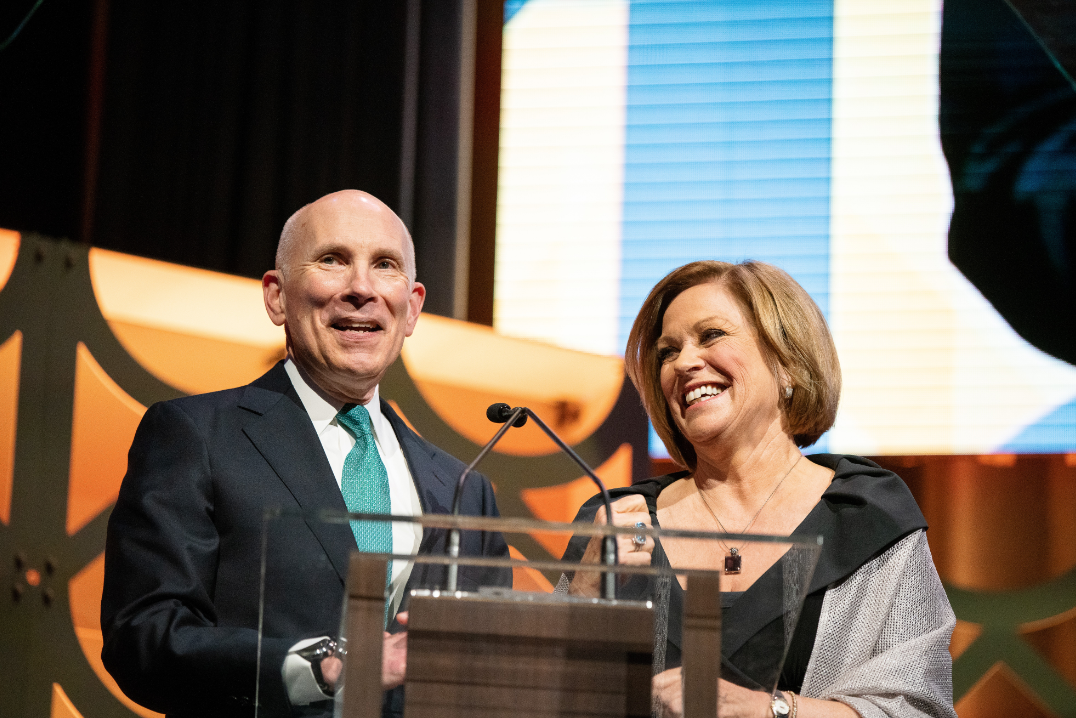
{"points": [[89, 338]]}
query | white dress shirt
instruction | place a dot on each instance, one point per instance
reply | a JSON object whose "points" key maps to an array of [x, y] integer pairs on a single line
{"points": [[403, 497]]}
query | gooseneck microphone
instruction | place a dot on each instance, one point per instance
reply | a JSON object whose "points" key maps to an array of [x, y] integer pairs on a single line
{"points": [[454, 534], [501, 413]]}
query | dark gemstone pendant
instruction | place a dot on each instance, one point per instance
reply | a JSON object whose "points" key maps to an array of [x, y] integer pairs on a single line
{"points": [[733, 562]]}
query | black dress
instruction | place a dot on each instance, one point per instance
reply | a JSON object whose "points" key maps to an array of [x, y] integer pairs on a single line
{"points": [[865, 510]]}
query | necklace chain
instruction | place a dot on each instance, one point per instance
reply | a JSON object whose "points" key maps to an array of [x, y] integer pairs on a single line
{"points": [[757, 513]]}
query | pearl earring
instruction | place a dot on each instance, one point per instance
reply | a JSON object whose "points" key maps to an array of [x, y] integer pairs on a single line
{"points": [[788, 392]]}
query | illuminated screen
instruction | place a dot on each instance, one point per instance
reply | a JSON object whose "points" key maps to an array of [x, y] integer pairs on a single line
{"points": [[638, 136]]}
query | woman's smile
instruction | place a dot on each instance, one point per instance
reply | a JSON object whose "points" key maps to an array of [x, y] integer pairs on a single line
{"points": [[702, 394]]}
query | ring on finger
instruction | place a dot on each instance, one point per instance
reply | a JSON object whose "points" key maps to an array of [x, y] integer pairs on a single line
{"points": [[639, 539]]}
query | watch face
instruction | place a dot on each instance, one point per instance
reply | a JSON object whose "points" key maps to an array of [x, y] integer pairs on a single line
{"points": [[779, 706]]}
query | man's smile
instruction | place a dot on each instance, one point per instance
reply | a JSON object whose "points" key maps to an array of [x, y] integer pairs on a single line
{"points": [[353, 326]]}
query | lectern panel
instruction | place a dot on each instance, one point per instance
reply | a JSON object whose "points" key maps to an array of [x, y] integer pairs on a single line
{"points": [[555, 656]]}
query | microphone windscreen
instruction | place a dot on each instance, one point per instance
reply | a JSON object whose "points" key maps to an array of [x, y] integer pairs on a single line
{"points": [[498, 413]]}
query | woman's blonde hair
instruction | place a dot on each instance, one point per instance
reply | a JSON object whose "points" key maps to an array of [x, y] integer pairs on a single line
{"points": [[791, 329]]}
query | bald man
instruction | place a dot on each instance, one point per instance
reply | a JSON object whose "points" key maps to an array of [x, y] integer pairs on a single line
{"points": [[180, 607]]}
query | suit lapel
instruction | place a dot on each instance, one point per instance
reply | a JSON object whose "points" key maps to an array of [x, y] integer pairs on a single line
{"points": [[435, 487], [282, 432], [433, 483]]}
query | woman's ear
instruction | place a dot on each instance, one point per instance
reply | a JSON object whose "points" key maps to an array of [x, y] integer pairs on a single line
{"points": [[784, 382]]}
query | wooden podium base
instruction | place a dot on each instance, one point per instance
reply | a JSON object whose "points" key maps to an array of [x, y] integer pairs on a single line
{"points": [[527, 655]]}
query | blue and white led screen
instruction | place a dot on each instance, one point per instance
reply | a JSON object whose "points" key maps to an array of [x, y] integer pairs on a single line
{"points": [[640, 135]]}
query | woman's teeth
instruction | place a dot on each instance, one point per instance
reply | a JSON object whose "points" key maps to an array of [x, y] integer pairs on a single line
{"points": [[696, 395]]}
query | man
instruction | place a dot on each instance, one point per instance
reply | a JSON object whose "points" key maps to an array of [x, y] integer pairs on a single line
{"points": [[180, 610]]}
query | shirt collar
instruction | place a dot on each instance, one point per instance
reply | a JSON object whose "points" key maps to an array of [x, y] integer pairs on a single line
{"points": [[323, 408]]}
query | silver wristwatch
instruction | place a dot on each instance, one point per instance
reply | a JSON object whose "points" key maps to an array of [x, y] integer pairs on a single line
{"points": [[315, 654], [779, 705]]}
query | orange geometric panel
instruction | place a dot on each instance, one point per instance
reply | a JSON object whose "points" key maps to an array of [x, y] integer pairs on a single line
{"points": [[528, 579], [572, 391], [84, 592], [62, 707], [9, 251], [463, 407], [964, 634], [1053, 639], [561, 503], [102, 428], [193, 329], [195, 364], [1000, 693], [10, 356]]}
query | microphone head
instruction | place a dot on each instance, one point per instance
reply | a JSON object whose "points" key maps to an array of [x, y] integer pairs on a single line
{"points": [[500, 412]]}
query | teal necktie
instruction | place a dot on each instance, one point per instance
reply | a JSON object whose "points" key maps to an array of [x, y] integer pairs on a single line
{"points": [[365, 485]]}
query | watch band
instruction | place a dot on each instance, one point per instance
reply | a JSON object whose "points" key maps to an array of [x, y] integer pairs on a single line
{"points": [[779, 705], [315, 654]]}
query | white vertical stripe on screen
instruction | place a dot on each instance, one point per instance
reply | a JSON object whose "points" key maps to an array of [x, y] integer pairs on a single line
{"points": [[560, 190]]}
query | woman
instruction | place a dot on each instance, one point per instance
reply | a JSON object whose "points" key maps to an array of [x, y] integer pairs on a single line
{"points": [[737, 370]]}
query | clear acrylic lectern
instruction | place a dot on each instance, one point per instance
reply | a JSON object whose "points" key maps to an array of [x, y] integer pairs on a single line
{"points": [[522, 637]]}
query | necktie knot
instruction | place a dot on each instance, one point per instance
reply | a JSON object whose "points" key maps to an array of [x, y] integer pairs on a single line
{"points": [[356, 419]]}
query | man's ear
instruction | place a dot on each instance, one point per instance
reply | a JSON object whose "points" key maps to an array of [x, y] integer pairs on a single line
{"points": [[414, 306], [273, 293]]}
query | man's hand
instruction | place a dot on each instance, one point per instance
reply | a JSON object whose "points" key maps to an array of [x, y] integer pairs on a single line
{"points": [[393, 660], [394, 656], [628, 511], [330, 670]]}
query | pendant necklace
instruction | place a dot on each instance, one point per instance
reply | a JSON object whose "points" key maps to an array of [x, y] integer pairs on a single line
{"points": [[734, 561]]}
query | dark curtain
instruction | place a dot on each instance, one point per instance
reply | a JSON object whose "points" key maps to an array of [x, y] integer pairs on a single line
{"points": [[221, 119], [43, 75]]}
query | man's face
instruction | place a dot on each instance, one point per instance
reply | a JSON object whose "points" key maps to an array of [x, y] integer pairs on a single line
{"points": [[343, 294]]}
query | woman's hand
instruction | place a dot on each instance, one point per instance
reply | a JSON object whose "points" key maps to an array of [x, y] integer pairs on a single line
{"points": [[628, 511], [733, 701], [667, 693]]}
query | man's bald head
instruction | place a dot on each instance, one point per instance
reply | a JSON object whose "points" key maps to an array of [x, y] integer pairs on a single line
{"points": [[299, 225], [345, 292]]}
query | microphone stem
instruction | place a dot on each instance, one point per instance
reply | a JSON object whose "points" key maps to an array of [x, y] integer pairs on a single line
{"points": [[454, 553], [457, 499], [610, 552], [609, 578]]}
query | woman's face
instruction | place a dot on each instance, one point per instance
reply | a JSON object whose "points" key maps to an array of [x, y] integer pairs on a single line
{"points": [[714, 376]]}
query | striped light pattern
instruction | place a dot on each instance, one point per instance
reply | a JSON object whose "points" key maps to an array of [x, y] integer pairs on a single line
{"points": [[639, 136]]}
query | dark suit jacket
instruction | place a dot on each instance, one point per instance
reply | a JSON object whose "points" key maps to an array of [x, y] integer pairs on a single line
{"points": [[180, 608]]}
